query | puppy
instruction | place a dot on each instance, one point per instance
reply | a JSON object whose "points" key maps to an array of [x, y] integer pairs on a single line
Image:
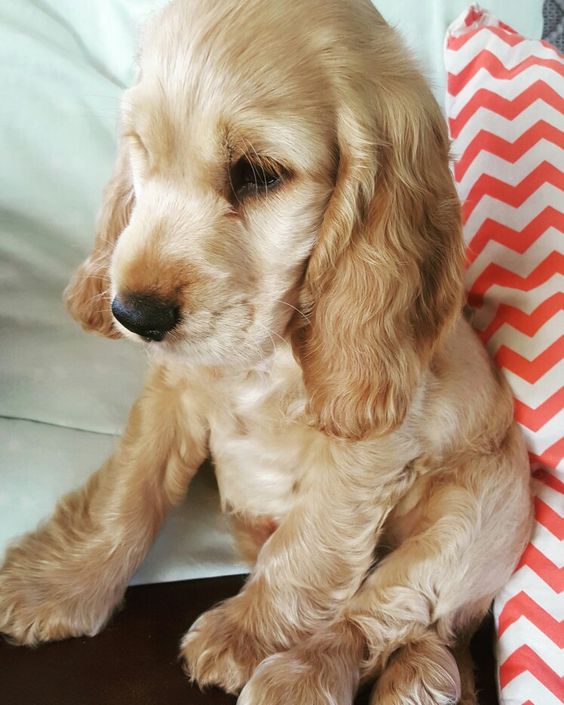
{"points": [[283, 234]]}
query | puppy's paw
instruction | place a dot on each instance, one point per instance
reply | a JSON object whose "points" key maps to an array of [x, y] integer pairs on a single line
{"points": [[39, 604], [300, 678], [218, 649], [423, 672]]}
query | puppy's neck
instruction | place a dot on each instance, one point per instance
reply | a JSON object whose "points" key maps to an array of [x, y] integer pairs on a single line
{"points": [[261, 370]]}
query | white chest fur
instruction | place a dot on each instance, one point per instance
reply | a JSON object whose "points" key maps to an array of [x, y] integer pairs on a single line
{"points": [[258, 438]]}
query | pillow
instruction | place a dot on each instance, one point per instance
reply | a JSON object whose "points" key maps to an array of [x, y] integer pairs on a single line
{"points": [[63, 66], [505, 109]]}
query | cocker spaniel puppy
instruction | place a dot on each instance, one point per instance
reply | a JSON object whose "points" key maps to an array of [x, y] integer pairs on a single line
{"points": [[283, 234]]}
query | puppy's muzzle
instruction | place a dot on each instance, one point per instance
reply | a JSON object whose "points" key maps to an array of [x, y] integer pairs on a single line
{"points": [[146, 314]]}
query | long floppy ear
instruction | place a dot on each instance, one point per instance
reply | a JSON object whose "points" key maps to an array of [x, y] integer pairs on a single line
{"points": [[385, 278], [87, 295]]}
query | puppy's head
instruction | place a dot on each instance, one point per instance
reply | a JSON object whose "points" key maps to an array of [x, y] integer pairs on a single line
{"points": [[274, 157], [225, 168]]}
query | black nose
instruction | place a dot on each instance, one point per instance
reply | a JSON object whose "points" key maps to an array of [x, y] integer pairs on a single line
{"points": [[146, 315]]}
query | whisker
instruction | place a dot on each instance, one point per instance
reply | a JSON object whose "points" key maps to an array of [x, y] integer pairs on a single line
{"points": [[268, 332], [101, 295], [96, 276], [297, 310]]}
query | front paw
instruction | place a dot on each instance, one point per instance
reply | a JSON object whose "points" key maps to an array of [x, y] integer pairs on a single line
{"points": [[40, 602], [301, 678], [220, 649]]}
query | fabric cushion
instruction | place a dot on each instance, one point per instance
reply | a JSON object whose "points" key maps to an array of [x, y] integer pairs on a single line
{"points": [[63, 66], [41, 462], [505, 108], [63, 393]]}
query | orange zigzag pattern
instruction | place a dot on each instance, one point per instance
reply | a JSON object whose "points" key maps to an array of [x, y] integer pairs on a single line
{"points": [[514, 196], [524, 659], [512, 40], [551, 457], [547, 571], [521, 605], [551, 520], [495, 274], [486, 141], [507, 108], [518, 241], [535, 419], [483, 142], [496, 68], [530, 370], [527, 323]]}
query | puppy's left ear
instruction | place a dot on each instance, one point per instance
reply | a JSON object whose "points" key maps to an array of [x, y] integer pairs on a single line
{"points": [[385, 278]]}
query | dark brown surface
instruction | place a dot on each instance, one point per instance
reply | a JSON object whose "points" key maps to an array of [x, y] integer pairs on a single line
{"points": [[134, 661]]}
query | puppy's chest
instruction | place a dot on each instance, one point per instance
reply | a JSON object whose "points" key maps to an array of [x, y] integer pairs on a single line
{"points": [[258, 439]]}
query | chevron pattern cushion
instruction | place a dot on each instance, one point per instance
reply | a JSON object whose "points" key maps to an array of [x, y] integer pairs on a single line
{"points": [[505, 105]]}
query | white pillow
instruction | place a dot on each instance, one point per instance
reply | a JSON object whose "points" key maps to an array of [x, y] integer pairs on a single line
{"points": [[63, 66]]}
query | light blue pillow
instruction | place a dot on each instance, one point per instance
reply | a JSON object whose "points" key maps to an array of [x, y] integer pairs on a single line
{"points": [[63, 66]]}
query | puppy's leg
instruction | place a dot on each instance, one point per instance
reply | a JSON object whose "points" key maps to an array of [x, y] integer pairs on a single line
{"points": [[65, 578], [387, 628], [312, 564], [434, 587]]}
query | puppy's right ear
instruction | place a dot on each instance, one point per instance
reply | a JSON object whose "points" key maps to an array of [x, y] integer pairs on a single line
{"points": [[88, 296]]}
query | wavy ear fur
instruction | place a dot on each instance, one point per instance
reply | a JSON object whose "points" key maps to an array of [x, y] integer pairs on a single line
{"points": [[385, 278], [87, 295]]}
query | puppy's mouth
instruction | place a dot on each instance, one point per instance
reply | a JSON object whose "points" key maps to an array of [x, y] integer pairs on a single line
{"points": [[198, 336]]}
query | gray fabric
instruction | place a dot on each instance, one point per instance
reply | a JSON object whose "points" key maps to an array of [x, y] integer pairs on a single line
{"points": [[553, 28]]}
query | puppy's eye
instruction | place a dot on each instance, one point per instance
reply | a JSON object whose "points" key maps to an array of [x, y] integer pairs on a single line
{"points": [[252, 178]]}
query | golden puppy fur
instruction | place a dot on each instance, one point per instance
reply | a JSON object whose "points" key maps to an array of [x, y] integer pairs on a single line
{"points": [[363, 442]]}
